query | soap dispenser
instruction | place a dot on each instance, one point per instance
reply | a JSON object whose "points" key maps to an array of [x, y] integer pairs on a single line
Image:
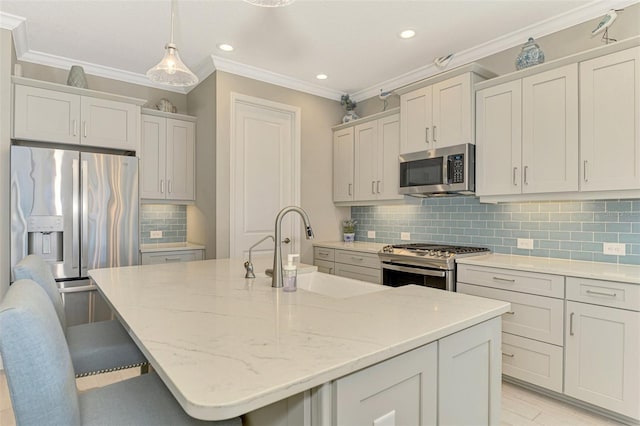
{"points": [[290, 274]]}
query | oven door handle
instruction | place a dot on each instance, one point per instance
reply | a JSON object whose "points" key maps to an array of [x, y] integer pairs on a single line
{"points": [[420, 271]]}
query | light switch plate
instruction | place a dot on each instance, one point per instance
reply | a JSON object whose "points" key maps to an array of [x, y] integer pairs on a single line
{"points": [[371, 234], [525, 243], [155, 234], [405, 236], [616, 249]]}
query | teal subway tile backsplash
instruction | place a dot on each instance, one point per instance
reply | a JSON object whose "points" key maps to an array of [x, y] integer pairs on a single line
{"points": [[565, 230], [168, 218]]}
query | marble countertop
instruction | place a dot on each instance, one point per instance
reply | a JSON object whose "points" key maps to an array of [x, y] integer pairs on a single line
{"points": [[574, 268], [152, 248], [362, 246], [225, 345]]}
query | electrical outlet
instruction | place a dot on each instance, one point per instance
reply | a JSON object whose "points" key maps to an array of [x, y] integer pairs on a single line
{"points": [[616, 249], [371, 234], [405, 236], [155, 234], [525, 243]]}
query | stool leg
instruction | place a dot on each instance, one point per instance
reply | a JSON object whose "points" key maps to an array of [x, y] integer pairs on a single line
{"points": [[144, 369]]}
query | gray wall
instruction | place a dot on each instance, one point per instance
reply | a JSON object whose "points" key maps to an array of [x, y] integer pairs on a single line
{"points": [[7, 56], [201, 216], [101, 84], [318, 115]]}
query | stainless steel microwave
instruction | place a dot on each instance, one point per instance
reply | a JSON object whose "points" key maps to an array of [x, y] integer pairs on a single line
{"points": [[440, 171]]}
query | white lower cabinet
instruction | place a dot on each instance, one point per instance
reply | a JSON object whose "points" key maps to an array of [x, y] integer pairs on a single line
{"points": [[353, 264], [171, 256], [532, 361], [602, 347]]}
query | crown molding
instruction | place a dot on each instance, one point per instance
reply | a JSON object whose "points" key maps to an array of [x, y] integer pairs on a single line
{"points": [[565, 20], [233, 67]]}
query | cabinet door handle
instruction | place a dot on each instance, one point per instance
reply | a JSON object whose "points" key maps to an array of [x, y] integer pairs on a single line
{"points": [[504, 279], [169, 186], [378, 187], [515, 174], [75, 127], [600, 293], [510, 313], [349, 189], [510, 355], [373, 186], [331, 271], [172, 259], [162, 186], [357, 259], [571, 323], [84, 128], [434, 133], [426, 135], [322, 254], [526, 168], [584, 170]]}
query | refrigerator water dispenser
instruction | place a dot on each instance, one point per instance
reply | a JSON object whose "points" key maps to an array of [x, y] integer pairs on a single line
{"points": [[45, 237]]}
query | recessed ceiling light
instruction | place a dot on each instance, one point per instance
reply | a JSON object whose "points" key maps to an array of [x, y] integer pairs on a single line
{"points": [[407, 34], [322, 76], [225, 47]]}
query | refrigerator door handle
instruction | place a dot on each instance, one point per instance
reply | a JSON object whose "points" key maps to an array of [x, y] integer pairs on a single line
{"points": [[75, 246], [85, 218]]}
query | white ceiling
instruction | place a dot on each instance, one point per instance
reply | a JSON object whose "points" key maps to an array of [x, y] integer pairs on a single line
{"points": [[354, 42]]}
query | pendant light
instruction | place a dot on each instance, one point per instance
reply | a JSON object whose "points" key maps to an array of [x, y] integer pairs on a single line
{"points": [[171, 70], [270, 3]]}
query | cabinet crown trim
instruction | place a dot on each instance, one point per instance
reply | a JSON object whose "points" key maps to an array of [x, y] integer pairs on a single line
{"points": [[371, 117], [473, 68], [23, 81], [157, 113]]}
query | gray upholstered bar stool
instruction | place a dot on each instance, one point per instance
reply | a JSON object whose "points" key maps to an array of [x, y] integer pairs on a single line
{"points": [[41, 381], [97, 347]]}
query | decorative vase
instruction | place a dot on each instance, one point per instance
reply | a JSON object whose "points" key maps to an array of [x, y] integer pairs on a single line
{"points": [[350, 116], [530, 55], [76, 77], [349, 237]]}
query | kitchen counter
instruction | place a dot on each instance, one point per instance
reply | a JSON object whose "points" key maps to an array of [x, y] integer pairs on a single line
{"points": [[225, 345], [355, 246], [153, 248], [575, 268]]}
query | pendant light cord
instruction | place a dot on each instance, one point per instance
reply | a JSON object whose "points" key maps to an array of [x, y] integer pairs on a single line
{"points": [[173, 3]]}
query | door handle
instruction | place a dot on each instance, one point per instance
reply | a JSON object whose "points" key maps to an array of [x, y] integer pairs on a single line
{"points": [[373, 186], [169, 186], [75, 167], [510, 355], [288, 240], [84, 128], [515, 174], [526, 168], [434, 133], [584, 170], [510, 313], [350, 189], [162, 186], [75, 127], [571, 323], [378, 187], [426, 135]]}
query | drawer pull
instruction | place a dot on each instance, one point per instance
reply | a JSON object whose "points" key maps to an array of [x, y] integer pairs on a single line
{"points": [[600, 293], [358, 259], [508, 354], [504, 280], [510, 313], [172, 259], [571, 323], [322, 254]]}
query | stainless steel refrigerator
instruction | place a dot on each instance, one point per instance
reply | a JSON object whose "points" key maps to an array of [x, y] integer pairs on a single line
{"points": [[79, 211]]}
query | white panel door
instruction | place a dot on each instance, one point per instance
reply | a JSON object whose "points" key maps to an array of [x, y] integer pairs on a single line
{"points": [[180, 160], [452, 111], [499, 139], [46, 115], [109, 124], [343, 152], [366, 161], [610, 122], [550, 131], [416, 120], [602, 347], [388, 182], [265, 174], [153, 157]]}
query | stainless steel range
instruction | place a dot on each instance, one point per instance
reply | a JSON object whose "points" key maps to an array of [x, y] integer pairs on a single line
{"points": [[429, 265]]}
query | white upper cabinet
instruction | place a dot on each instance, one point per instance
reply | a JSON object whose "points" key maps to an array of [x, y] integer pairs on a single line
{"points": [[365, 160], [567, 129], [343, 164], [167, 158], [416, 120], [51, 112], [439, 111], [499, 139], [610, 122], [550, 131]]}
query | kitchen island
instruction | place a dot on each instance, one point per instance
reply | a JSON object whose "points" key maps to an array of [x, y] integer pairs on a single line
{"points": [[227, 346]]}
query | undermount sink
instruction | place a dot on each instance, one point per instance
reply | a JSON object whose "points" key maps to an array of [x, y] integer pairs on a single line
{"points": [[334, 286]]}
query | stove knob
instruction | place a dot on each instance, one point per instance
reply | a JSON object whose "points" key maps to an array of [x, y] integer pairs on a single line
{"points": [[387, 249], [447, 254], [432, 253], [439, 253]]}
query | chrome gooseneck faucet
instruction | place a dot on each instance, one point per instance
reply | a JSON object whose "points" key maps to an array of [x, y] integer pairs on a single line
{"points": [[276, 279], [248, 265]]}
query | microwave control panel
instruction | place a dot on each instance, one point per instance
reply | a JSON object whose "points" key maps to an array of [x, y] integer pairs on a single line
{"points": [[456, 162]]}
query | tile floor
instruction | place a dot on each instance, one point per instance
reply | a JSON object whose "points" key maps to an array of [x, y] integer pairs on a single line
{"points": [[520, 407]]}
